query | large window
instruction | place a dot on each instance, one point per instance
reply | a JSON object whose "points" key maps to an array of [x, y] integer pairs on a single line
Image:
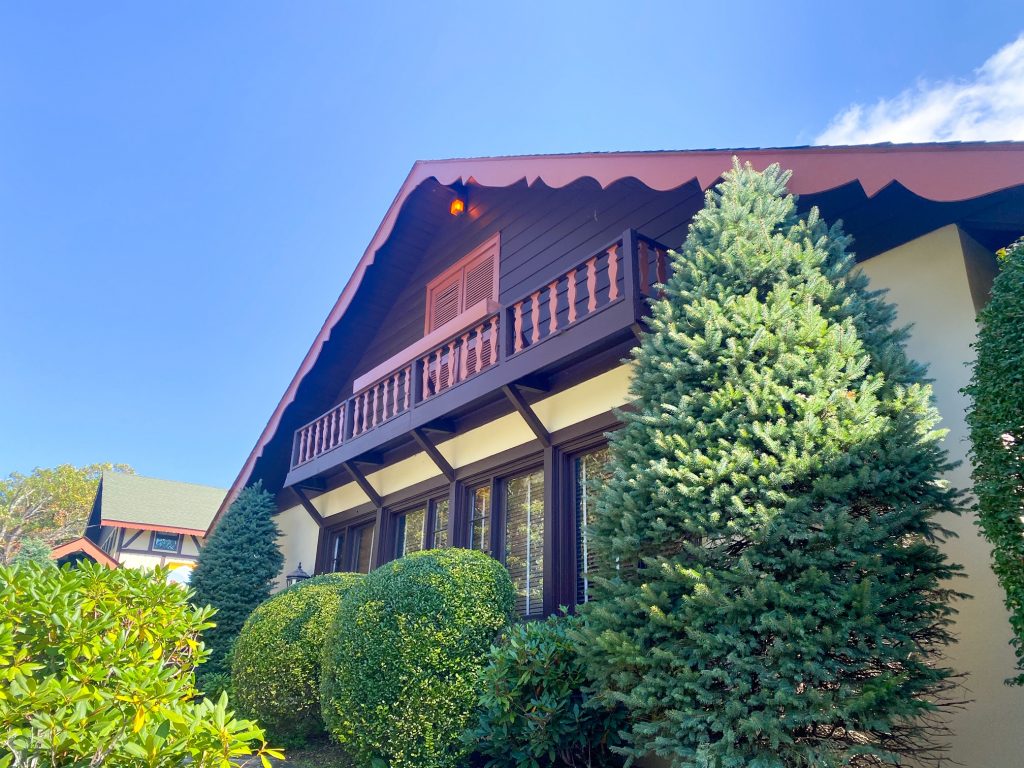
{"points": [[524, 540], [589, 470], [350, 548]]}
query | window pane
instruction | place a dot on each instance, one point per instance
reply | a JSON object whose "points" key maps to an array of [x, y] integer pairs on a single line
{"points": [[409, 533], [338, 552], [591, 470], [362, 541], [439, 534], [165, 542], [524, 540], [480, 520]]}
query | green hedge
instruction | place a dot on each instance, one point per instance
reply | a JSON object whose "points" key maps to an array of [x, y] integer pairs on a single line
{"points": [[275, 669], [402, 661], [532, 708], [996, 420], [97, 666]]}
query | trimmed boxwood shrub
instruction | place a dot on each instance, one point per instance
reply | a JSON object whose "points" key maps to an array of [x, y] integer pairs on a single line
{"points": [[402, 662], [532, 708], [275, 669]]}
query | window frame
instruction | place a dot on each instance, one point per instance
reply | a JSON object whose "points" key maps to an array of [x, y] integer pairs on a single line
{"points": [[590, 445], [496, 478], [349, 555]]}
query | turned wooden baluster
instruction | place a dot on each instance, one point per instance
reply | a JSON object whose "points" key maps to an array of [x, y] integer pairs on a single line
{"points": [[479, 347], [643, 266], [355, 416], [592, 283], [453, 363], [535, 317], [517, 327], [366, 411], [408, 386], [385, 389], [613, 273], [397, 382], [426, 375], [440, 370], [553, 306], [303, 439], [571, 295], [494, 340], [464, 356]]}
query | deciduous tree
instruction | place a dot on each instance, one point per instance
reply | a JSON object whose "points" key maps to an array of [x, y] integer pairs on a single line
{"points": [[48, 504]]}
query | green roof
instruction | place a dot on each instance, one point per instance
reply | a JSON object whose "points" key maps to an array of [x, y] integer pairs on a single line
{"points": [[160, 503]]}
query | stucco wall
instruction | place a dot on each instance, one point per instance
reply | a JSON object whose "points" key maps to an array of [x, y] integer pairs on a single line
{"points": [[928, 281]]}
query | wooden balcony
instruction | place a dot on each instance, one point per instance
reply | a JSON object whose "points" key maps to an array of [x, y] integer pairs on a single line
{"points": [[597, 301]]}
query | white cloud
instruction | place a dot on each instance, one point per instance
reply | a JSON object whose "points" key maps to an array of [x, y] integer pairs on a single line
{"points": [[988, 106]]}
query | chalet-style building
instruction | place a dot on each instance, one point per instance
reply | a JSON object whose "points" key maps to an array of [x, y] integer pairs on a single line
{"points": [[143, 522], [459, 392]]}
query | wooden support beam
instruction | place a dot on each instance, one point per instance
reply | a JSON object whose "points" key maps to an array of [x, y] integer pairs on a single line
{"points": [[428, 447], [363, 483], [519, 403], [308, 505], [538, 384], [444, 426], [372, 458]]}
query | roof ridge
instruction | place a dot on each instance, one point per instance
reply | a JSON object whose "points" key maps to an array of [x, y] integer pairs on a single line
{"points": [[137, 476]]}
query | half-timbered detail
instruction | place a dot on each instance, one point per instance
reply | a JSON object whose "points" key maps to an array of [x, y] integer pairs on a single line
{"points": [[461, 391], [143, 522]]}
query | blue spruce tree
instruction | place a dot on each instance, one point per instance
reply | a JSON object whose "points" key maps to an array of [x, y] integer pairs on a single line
{"points": [[234, 574], [771, 593]]}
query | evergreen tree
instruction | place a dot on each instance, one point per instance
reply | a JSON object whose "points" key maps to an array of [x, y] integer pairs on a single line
{"points": [[770, 592], [235, 573], [32, 550], [996, 419]]}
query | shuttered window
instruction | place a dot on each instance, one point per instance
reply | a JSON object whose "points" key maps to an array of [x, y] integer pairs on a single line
{"points": [[590, 470], [524, 540], [473, 279]]}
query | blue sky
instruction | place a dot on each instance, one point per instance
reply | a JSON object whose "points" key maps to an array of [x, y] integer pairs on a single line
{"points": [[185, 187]]}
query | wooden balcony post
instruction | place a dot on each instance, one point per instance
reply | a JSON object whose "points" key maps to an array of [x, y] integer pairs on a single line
{"points": [[419, 379], [630, 283]]}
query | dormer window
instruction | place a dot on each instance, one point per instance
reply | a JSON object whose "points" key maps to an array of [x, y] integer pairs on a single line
{"points": [[474, 278]]}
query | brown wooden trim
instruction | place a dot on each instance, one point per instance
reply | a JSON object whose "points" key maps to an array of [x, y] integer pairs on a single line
{"points": [[131, 540], [424, 442], [86, 547], [523, 408], [364, 484], [308, 505]]}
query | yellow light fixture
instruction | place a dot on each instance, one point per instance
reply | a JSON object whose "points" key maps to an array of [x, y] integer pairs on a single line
{"points": [[457, 207]]}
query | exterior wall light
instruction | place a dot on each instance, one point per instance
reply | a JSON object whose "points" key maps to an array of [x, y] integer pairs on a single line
{"points": [[296, 576], [457, 207]]}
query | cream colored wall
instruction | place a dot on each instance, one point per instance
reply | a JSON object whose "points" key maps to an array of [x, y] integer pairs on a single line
{"points": [[297, 540], [189, 548], [928, 279]]}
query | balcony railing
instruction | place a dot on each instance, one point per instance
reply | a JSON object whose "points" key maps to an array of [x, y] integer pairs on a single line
{"points": [[626, 270]]}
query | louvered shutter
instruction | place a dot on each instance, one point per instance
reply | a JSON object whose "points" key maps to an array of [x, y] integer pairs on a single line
{"points": [[479, 280], [445, 302]]}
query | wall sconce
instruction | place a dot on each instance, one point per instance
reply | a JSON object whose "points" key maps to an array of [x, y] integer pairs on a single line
{"points": [[457, 207], [296, 576]]}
